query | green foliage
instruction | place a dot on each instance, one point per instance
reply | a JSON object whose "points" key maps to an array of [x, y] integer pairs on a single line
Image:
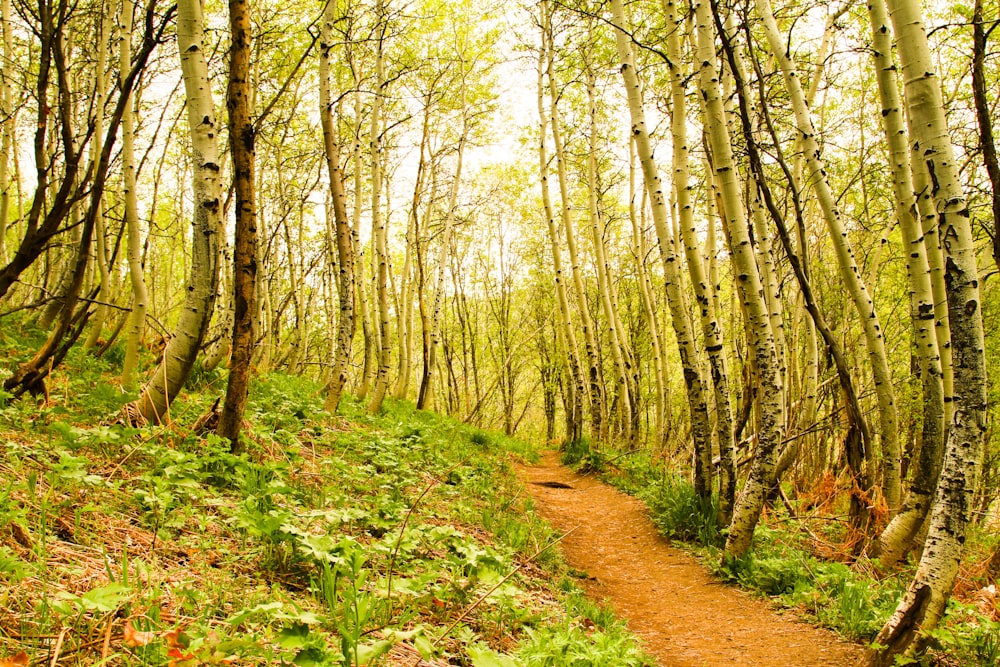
{"points": [[571, 644], [582, 455], [968, 637], [837, 595], [678, 512], [325, 542]]}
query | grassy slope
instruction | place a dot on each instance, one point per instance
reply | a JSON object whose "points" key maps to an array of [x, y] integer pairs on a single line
{"points": [[158, 547]]}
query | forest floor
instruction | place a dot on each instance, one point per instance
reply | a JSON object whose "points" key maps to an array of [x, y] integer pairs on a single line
{"points": [[685, 616]]}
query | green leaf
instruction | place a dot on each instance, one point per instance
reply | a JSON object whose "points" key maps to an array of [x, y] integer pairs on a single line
{"points": [[484, 657], [106, 598], [294, 636], [265, 609], [369, 652], [12, 568]]}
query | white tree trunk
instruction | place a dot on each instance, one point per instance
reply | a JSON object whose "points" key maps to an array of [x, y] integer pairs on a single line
{"points": [[140, 298], [751, 291], [849, 272], [199, 301], [697, 401], [598, 409], [904, 526], [922, 607]]}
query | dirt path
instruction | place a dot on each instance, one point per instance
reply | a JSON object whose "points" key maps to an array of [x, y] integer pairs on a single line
{"points": [[686, 617]]}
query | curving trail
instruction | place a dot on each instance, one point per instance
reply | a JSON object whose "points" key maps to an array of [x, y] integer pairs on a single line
{"points": [[685, 616]]}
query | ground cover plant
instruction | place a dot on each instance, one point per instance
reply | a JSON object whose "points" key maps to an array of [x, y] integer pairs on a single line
{"points": [[807, 565], [400, 538]]}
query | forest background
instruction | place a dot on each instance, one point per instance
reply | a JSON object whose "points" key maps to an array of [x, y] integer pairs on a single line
{"points": [[755, 240]]}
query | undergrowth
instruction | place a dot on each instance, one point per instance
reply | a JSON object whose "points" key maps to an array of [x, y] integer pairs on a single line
{"points": [[401, 538], [849, 598]]}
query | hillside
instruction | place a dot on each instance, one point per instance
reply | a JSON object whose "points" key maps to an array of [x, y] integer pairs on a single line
{"points": [[331, 541]]}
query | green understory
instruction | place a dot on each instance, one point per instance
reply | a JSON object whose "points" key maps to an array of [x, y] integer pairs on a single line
{"points": [[801, 564], [344, 540]]}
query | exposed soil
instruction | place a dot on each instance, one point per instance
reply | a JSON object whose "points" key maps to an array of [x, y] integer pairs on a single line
{"points": [[686, 617]]}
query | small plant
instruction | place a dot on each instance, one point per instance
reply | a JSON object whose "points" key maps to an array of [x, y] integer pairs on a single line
{"points": [[342, 587], [583, 456]]}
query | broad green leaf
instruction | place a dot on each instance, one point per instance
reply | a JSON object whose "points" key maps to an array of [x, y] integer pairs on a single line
{"points": [[106, 598], [484, 657]]}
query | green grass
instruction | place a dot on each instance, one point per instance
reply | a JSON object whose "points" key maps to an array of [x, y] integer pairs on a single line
{"points": [[329, 541]]}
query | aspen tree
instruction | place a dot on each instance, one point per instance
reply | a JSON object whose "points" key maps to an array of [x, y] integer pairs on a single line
{"points": [[379, 241], [7, 115], [615, 332], [242, 139], [361, 284], [897, 537], [598, 407], [750, 502], [199, 300], [981, 101], [137, 280], [30, 375], [697, 401], [648, 308], [922, 607], [345, 247], [858, 436], [425, 397], [874, 341], [405, 312], [100, 233], [567, 335], [704, 290]]}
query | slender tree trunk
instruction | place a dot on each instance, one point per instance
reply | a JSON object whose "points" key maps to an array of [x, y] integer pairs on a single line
{"points": [[748, 282], [345, 247], [598, 409], [703, 289], [381, 250], [29, 375], [137, 318], [697, 401], [897, 537], [616, 335], [858, 438], [648, 307], [425, 397], [405, 313], [985, 121], [101, 249], [7, 114], [360, 279], [576, 388], [875, 343], [241, 144], [920, 611], [199, 300]]}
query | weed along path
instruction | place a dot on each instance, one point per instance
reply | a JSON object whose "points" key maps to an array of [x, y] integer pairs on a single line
{"points": [[686, 617]]}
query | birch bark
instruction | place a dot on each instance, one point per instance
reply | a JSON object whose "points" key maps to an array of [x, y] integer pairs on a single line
{"points": [[897, 537], [598, 408], [381, 251], [567, 335], [751, 291], [874, 341], [345, 247], [137, 280], [199, 301], [697, 401], [923, 605]]}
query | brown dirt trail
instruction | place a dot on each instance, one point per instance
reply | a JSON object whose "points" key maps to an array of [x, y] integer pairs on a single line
{"points": [[686, 617]]}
